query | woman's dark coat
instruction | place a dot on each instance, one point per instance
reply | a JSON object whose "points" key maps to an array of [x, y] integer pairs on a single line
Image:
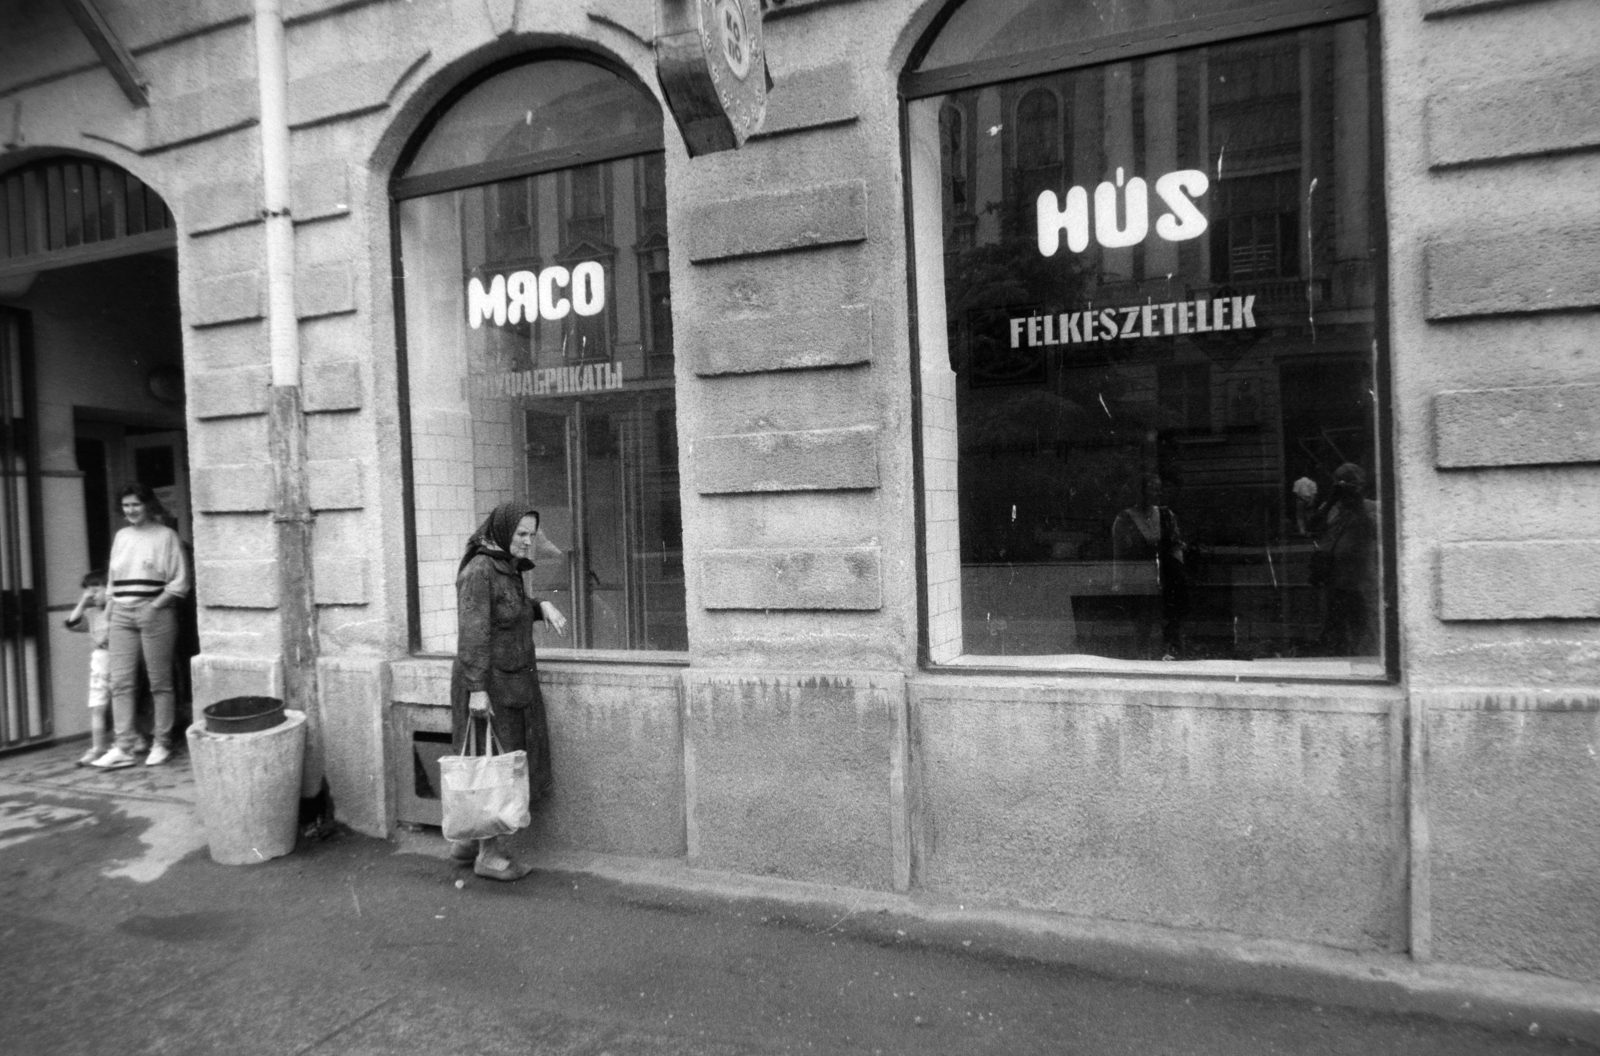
{"points": [[494, 652]]}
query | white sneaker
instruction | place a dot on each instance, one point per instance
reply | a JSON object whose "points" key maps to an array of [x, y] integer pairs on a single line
{"points": [[115, 759], [158, 755], [88, 758]]}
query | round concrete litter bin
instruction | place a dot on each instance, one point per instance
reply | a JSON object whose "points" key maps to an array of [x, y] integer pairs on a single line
{"points": [[247, 786]]}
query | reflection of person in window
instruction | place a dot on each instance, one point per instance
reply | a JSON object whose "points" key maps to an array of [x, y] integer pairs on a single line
{"points": [[1348, 567], [1149, 570]]}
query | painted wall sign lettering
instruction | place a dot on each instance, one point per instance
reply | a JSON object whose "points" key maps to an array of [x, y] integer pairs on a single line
{"points": [[1119, 225], [552, 381], [549, 294], [1201, 316]]}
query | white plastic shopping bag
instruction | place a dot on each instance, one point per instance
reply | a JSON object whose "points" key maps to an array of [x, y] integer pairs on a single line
{"points": [[483, 795]]}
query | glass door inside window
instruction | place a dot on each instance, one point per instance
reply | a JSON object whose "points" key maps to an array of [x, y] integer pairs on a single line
{"points": [[612, 553]]}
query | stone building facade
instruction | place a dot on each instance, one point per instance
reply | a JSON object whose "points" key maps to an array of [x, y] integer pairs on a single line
{"points": [[793, 657]]}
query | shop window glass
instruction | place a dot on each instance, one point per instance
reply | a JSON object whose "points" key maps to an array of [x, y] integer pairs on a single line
{"points": [[1038, 144], [1146, 300], [532, 110], [537, 330]]}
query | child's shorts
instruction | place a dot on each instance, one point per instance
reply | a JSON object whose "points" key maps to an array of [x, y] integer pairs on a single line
{"points": [[100, 678]]}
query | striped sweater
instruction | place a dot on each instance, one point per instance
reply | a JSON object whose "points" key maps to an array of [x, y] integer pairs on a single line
{"points": [[145, 562]]}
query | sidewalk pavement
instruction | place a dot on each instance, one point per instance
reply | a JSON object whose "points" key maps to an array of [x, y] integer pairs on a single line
{"points": [[79, 832]]}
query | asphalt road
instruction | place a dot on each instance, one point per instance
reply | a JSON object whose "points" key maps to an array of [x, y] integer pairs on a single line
{"points": [[118, 935]]}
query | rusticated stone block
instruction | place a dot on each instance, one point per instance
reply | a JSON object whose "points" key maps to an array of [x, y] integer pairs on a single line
{"points": [[354, 695], [223, 107], [1515, 118], [1514, 271], [246, 584], [783, 8], [141, 24], [810, 460], [336, 484], [843, 578], [1442, 8], [348, 91], [297, 11], [635, 19], [1517, 427], [320, 190], [795, 774], [227, 299], [337, 385], [424, 682], [212, 348], [324, 289], [1522, 580], [339, 579], [826, 215], [1271, 809], [232, 489], [1510, 859], [812, 98], [838, 337], [616, 739], [220, 677], [229, 393], [218, 206]]}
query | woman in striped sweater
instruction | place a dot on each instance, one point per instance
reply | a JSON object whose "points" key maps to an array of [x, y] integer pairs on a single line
{"points": [[149, 576]]}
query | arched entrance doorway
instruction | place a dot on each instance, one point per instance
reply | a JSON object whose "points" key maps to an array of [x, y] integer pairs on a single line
{"points": [[91, 397]]}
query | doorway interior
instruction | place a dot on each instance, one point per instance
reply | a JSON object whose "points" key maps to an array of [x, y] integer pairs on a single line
{"points": [[91, 386]]}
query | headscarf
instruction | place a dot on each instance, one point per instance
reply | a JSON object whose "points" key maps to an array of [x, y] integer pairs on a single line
{"points": [[493, 536], [1350, 473]]}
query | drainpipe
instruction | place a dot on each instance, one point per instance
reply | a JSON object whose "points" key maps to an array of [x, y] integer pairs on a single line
{"points": [[291, 512]]}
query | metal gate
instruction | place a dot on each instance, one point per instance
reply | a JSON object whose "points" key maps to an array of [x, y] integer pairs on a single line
{"points": [[25, 715]]}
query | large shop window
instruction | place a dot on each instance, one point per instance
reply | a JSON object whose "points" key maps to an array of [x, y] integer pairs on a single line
{"points": [[1147, 279], [537, 328]]}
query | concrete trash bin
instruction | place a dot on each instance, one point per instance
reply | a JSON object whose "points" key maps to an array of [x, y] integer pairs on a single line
{"points": [[247, 786]]}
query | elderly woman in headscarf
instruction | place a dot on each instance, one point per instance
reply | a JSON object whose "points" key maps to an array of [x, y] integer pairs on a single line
{"points": [[494, 680]]}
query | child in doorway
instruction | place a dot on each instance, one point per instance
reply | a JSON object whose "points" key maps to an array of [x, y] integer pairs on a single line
{"points": [[90, 616]]}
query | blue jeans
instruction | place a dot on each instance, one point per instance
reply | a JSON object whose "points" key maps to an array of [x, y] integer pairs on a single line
{"points": [[148, 633]]}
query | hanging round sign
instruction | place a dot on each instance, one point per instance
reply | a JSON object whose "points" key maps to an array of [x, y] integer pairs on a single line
{"points": [[713, 71], [730, 33]]}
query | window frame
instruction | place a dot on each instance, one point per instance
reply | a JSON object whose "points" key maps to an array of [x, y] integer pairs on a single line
{"points": [[1229, 27], [402, 188], [1275, 17]]}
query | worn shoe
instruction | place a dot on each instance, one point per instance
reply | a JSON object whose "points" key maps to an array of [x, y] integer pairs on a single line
{"points": [[496, 866], [463, 850], [115, 759], [158, 755], [88, 758]]}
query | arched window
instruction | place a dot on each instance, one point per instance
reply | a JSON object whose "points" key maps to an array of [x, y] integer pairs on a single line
{"points": [[953, 156], [1038, 148], [1155, 428], [536, 330], [1038, 130], [955, 167], [65, 203]]}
